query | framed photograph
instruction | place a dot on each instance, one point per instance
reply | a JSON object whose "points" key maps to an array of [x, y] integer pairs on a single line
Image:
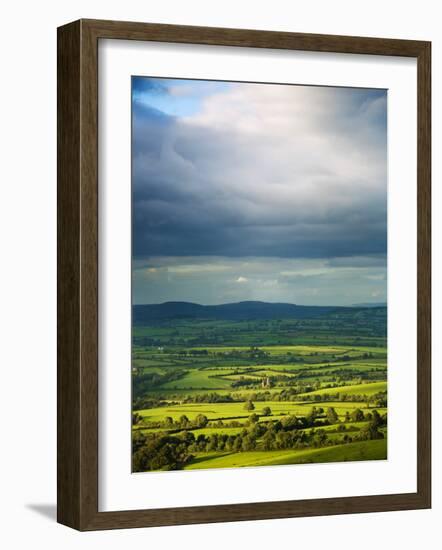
{"points": [[243, 275]]}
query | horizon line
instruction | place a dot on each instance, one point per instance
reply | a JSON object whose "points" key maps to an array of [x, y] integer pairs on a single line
{"points": [[357, 305]]}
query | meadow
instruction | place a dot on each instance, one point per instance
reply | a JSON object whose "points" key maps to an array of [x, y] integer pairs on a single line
{"points": [[222, 393]]}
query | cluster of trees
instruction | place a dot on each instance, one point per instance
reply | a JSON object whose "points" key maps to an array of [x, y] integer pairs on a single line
{"points": [[161, 451], [211, 397], [337, 378], [245, 382], [287, 394], [316, 417], [195, 352], [377, 400], [150, 402], [168, 423], [253, 352], [344, 375], [183, 423], [249, 406]]}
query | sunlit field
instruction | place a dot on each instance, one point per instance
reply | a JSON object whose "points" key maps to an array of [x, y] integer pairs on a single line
{"points": [[278, 392]]}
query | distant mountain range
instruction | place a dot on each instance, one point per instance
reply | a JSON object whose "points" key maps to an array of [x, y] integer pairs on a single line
{"points": [[371, 304], [236, 311]]}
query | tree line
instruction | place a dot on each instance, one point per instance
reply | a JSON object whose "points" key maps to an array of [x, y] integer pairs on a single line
{"points": [[170, 452]]}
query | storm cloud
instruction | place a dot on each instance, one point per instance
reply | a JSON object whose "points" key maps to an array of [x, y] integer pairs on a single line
{"points": [[260, 171]]}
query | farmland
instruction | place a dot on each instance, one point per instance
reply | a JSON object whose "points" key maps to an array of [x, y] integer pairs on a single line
{"points": [[363, 450], [220, 389]]}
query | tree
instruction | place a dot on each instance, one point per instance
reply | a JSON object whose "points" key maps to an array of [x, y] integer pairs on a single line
{"points": [[332, 415], [183, 421], [249, 406], [248, 443], [276, 426], [168, 421], [266, 411], [253, 418], [289, 422], [371, 432], [311, 417], [237, 444], [376, 420], [188, 437], [282, 440], [268, 440], [201, 420], [213, 443], [160, 453], [230, 442], [357, 415]]}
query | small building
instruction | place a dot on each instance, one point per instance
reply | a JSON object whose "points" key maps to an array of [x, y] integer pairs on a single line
{"points": [[265, 382]]}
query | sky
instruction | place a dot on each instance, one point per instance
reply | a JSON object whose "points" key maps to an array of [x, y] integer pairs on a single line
{"points": [[252, 191]]}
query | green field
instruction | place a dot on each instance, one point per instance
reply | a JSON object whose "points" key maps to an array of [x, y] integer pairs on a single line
{"points": [[198, 379], [363, 450], [357, 389], [223, 393], [214, 411]]}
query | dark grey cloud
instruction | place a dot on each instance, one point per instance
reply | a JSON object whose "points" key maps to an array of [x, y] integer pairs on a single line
{"points": [[294, 173]]}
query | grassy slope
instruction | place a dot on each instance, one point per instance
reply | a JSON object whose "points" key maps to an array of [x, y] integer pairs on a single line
{"points": [[362, 450], [367, 389], [198, 379]]}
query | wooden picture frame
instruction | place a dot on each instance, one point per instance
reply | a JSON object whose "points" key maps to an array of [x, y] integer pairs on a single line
{"points": [[78, 274]]}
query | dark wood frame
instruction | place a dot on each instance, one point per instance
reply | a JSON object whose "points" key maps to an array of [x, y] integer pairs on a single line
{"points": [[78, 274]]}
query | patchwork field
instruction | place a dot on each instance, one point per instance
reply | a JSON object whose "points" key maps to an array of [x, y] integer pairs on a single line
{"points": [[230, 393], [217, 411]]}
